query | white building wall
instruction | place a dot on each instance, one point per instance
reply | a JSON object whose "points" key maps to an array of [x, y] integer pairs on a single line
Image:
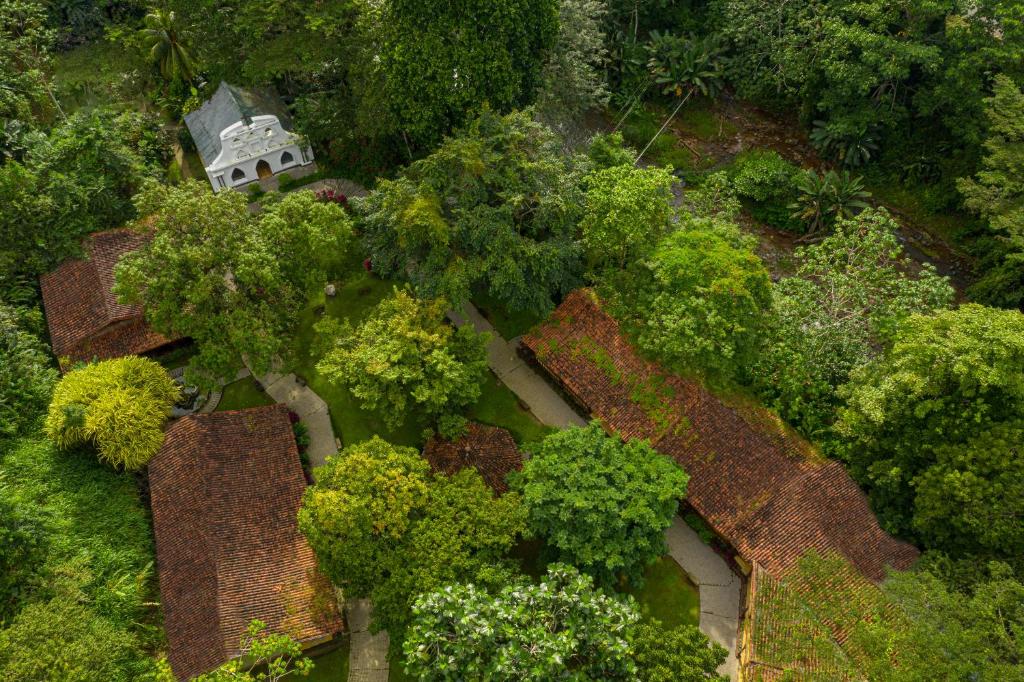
{"points": [[243, 146]]}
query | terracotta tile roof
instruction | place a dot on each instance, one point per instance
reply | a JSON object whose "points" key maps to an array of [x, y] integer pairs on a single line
{"points": [[487, 448], [84, 317], [759, 485], [225, 490]]}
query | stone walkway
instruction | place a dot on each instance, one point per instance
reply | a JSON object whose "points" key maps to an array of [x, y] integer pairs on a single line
{"points": [[368, 661], [312, 410], [544, 402], [719, 587]]}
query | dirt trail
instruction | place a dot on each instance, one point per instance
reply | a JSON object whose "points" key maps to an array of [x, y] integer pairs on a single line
{"points": [[743, 127]]}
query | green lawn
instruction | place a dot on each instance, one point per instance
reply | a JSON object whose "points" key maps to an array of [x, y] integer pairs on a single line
{"points": [[355, 299], [668, 595], [507, 323], [332, 666], [498, 406], [241, 394]]}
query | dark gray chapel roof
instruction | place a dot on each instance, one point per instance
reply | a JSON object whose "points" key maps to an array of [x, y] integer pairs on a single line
{"points": [[230, 104]]}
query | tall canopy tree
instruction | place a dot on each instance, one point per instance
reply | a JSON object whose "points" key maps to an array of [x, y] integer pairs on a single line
{"points": [[404, 358], [436, 63], [382, 526], [494, 208], [25, 42], [843, 304], [996, 193], [229, 280], [598, 503], [699, 303], [627, 211], [78, 179], [948, 378], [562, 628]]}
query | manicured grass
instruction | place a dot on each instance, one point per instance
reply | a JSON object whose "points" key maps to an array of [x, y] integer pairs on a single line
{"points": [[241, 394], [668, 595], [509, 324], [498, 406], [355, 299], [396, 673], [332, 666]]}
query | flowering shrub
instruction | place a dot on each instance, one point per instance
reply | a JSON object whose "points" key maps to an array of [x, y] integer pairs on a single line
{"points": [[329, 195]]}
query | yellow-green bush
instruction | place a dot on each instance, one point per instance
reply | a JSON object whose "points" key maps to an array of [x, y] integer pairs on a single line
{"points": [[119, 406]]}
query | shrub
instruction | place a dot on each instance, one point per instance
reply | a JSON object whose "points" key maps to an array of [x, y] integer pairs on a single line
{"points": [[763, 175], [64, 640], [119, 406]]}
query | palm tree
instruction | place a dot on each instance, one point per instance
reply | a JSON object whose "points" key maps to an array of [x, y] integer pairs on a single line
{"points": [[166, 48], [823, 199]]}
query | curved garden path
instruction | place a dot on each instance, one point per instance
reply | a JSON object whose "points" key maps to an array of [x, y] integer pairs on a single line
{"points": [[719, 587], [368, 653]]}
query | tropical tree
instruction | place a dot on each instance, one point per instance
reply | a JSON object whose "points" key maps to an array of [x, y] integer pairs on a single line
{"points": [[682, 65], [996, 193], [229, 280], [823, 199], [464, 534], [404, 358], [679, 654], [77, 179], [262, 657], [359, 511], [561, 628], [699, 303], [436, 64], [383, 527], [598, 503], [949, 378], [25, 42], [970, 499], [837, 312], [573, 79], [119, 406], [166, 47], [494, 208], [27, 374], [627, 211]]}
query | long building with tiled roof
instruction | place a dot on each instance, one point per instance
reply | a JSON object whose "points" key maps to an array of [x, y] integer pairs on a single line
{"points": [[82, 312], [488, 449], [760, 486], [225, 491]]}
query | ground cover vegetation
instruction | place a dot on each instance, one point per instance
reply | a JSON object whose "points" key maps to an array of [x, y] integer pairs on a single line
{"points": [[479, 127]]}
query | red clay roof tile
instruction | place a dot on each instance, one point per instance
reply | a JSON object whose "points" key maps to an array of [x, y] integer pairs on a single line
{"points": [[225, 490], [84, 317], [758, 484], [488, 449]]}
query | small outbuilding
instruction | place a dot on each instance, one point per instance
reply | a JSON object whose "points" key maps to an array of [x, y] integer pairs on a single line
{"points": [[86, 322], [225, 489], [488, 449], [244, 135]]}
